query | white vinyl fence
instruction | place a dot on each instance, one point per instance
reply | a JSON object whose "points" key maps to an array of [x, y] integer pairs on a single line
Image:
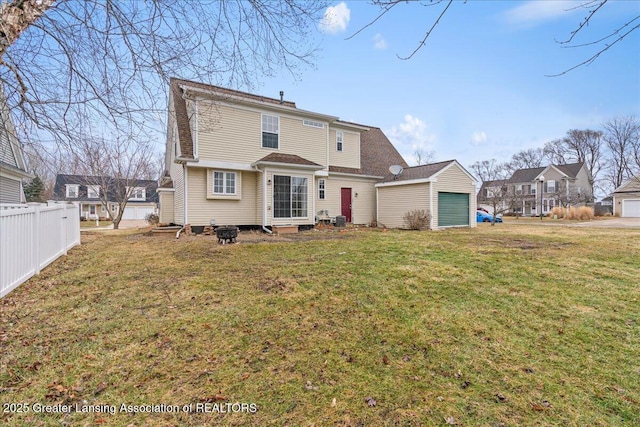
{"points": [[32, 237]]}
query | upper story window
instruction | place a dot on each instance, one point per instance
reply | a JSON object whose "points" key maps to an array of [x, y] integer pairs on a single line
{"points": [[533, 190], [339, 140], [137, 193], [72, 191], [270, 131], [550, 186], [93, 191], [322, 187], [519, 189], [224, 182], [313, 124]]}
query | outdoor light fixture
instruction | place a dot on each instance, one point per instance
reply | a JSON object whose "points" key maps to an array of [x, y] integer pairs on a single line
{"points": [[541, 178]]}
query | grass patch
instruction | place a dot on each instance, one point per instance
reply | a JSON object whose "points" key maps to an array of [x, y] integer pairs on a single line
{"points": [[509, 325], [92, 224]]}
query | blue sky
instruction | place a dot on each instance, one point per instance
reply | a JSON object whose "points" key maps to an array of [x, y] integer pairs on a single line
{"points": [[478, 89]]}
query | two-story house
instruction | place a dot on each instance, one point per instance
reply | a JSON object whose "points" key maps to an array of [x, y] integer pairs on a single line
{"points": [[13, 168], [553, 185], [243, 159], [97, 197]]}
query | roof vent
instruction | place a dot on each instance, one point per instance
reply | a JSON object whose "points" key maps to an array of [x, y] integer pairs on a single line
{"points": [[281, 97]]}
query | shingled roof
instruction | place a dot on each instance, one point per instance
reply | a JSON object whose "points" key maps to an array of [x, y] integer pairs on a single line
{"points": [[530, 174], [418, 172], [290, 159]]}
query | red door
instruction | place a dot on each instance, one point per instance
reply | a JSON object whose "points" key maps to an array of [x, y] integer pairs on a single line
{"points": [[345, 197]]}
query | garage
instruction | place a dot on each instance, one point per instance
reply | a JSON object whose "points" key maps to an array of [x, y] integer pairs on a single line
{"points": [[453, 209], [136, 212], [631, 208]]}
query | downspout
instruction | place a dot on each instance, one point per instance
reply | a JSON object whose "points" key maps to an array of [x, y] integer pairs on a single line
{"points": [[264, 200], [184, 197]]}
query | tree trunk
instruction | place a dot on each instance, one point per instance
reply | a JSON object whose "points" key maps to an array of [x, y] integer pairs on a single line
{"points": [[16, 17]]}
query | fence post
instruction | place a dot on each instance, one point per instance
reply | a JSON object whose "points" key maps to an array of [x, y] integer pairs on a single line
{"points": [[35, 239], [63, 218]]}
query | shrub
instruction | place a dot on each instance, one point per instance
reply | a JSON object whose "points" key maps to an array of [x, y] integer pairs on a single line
{"points": [[152, 219], [582, 213], [417, 219]]}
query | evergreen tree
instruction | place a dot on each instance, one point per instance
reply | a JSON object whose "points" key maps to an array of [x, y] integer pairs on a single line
{"points": [[34, 190]]}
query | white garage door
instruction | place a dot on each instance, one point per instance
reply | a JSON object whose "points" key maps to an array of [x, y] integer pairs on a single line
{"points": [[631, 208], [136, 212]]}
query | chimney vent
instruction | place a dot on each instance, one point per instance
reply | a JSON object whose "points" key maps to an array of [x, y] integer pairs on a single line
{"points": [[281, 97]]}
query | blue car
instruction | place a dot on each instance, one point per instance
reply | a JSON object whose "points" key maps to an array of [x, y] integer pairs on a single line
{"points": [[486, 217]]}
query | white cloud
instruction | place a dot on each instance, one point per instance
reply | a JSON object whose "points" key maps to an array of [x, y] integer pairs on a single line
{"points": [[379, 42], [335, 19], [478, 138], [411, 135], [537, 12]]}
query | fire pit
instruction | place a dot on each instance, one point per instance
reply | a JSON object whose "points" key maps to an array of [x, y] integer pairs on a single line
{"points": [[227, 234]]}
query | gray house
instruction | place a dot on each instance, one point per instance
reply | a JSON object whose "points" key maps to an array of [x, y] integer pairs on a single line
{"points": [[550, 186], [12, 165]]}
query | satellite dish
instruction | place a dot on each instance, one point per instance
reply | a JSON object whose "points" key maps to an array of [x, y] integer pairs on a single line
{"points": [[396, 170]]}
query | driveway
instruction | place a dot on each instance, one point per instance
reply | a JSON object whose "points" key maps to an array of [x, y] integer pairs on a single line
{"points": [[610, 223]]}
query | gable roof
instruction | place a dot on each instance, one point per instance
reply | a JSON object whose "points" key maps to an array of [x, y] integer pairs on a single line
{"points": [[289, 159], [525, 175], [418, 172], [531, 174], [632, 185], [60, 192]]}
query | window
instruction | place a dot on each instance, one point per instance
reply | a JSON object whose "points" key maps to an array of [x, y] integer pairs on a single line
{"points": [[322, 184], [550, 186], [289, 197], [519, 189], [72, 191], [103, 209], [114, 208], [93, 191], [224, 182], [137, 193], [270, 131], [313, 124], [533, 190], [339, 139]]}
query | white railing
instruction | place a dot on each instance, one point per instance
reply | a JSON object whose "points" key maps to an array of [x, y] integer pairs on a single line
{"points": [[32, 237]]}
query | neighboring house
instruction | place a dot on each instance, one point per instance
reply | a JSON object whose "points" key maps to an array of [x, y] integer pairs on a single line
{"points": [[12, 165], [244, 159], [88, 193], [626, 199], [561, 185], [494, 193], [445, 189]]}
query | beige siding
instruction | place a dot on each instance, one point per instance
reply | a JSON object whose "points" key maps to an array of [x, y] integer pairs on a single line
{"points": [[618, 201], [177, 175], [454, 180], [202, 210], [231, 134], [166, 207], [395, 201], [349, 157], [582, 182], [363, 206], [310, 218]]}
